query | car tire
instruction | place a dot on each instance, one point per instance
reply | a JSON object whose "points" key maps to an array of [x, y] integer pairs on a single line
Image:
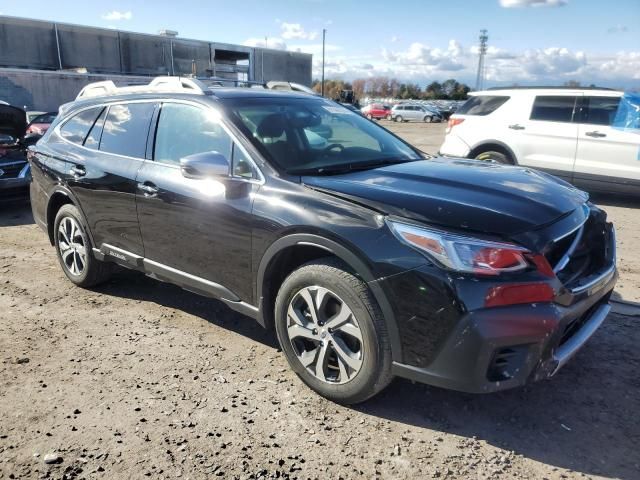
{"points": [[399, 118], [74, 249], [427, 119], [349, 363], [494, 156], [388, 117], [369, 116]]}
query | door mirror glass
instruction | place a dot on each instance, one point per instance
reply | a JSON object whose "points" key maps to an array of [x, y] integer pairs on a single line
{"points": [[204, 165]]}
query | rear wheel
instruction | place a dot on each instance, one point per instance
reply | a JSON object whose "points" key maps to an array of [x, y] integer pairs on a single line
{"points": [[332, 332], [388, 117], [74, 249], [494, 156]]}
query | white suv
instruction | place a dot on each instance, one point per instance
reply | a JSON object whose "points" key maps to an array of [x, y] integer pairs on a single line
{"points": [[575, 134]]}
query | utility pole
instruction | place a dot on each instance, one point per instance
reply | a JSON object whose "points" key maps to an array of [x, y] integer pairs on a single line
{"points": [[324, 36], [484, 37]]}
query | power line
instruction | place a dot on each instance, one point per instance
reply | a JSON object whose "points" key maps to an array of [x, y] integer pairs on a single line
{"points": [[484, 37]]}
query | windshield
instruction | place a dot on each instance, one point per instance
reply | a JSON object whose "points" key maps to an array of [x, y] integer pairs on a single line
{"points": [[314, 135]]}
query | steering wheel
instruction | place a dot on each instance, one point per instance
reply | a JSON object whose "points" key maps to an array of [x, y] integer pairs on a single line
{"points": [[334, 146]]}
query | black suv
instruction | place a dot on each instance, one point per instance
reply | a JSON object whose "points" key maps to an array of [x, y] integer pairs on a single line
{"points": [[368, 257]]}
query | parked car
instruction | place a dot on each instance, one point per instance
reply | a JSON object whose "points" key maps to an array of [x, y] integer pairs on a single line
{"points": [[376, 111], [564, 131], [14, 169], [368, 258], [414, 113], [40, 124]]}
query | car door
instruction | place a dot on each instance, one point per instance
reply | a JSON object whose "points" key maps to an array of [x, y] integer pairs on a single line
{"points": [[197, 232], [608, 158], [98, 161], [548, 139]]}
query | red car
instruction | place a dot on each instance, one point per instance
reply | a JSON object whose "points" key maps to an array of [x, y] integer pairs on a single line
{"points": [[377, 111], [41, 123]]}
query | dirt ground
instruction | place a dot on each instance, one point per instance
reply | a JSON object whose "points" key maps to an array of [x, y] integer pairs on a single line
{"points": [[139, 379]]}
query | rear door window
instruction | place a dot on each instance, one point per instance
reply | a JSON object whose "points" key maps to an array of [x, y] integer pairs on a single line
{"points": [[553, 108], [482, 105], [599, 110], [76, 129], [126, 128]]}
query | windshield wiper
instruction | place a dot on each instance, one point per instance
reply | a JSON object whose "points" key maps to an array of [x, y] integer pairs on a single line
{"points": [[337, 169]]}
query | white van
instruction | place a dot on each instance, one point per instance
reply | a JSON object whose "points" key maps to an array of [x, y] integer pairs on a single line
{"points": [[571, 133]]}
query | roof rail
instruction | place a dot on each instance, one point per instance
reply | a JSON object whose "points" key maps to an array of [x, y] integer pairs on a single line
{"points": [[158, 84], [543, 87]]}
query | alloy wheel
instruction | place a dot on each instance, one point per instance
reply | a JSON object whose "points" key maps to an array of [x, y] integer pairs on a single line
{"points": [[325, 335], [72, 246]]}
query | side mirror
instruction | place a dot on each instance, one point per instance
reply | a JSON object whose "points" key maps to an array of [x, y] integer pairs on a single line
{"points": [[204, 165], [31, 139], [7, 140]]}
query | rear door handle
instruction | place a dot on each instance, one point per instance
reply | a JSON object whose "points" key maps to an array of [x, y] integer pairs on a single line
{"points": [[78, 171], [516, 127], [595, 134], [148, 188]]}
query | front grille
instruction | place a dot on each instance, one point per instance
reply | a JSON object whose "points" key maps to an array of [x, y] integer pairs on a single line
{"points": [[582, 253], [11, 170]]}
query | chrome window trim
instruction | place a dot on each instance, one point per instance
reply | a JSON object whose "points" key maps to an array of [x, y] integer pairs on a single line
{"points": [[259, 181]]}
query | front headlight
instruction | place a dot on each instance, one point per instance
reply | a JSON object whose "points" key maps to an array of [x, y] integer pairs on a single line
{"points": [[463, 254]]}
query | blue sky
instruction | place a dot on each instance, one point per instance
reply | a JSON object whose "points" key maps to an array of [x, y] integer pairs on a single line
{"points": [[531, 41]]}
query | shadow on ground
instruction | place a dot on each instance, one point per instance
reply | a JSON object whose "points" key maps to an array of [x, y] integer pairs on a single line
{"points": [[15, 212], [584, 419]]}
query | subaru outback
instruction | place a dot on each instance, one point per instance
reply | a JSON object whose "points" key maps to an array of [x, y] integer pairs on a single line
{"points": [[368, 258]]}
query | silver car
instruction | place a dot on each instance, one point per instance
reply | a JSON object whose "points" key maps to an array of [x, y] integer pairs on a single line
{"points": [[414, 113]]}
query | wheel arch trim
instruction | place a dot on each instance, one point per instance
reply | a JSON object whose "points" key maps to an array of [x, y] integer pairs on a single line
{"points": [[58, 191], [348, 257]]}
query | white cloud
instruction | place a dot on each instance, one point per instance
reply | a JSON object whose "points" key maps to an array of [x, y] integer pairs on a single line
{"points": [[274, 43], [295, 30], [532, 3], [449, 59], [394, 39], [115, 15]]}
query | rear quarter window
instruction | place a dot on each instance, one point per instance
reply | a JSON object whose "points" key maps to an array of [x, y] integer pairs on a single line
{"points": [[126, 128], [482, 105], [76, 129]]}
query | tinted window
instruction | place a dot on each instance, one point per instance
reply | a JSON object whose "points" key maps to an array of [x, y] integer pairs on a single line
{"points": [[45, 118], [599, 110], [553, 109], [126, 128], [76, 129], [482, 105], [93, 139], [184, 130], [314, 135]]}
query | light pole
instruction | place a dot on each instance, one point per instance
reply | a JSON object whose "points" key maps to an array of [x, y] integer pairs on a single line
{"points": [[324, 35]]}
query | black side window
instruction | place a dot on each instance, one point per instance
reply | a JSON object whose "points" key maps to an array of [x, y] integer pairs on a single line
{"points": [[242, 166], [482, 105], [184, 130], [93, 139], [76, 129], [599, 110], [553, 109], [126, 128]]}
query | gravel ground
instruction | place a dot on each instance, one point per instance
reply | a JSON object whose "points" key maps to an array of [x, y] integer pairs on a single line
{"points": [[139, 379]]}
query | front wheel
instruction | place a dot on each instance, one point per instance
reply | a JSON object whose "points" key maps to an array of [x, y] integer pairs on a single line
{"points": [[427, 119], [369, 116], [74, 249], [399, 119], [332, 332], [495, 157], [388, 117]]}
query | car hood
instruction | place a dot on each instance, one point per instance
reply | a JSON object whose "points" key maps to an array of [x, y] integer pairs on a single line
{"points": [[459, 194], [13, 121]]}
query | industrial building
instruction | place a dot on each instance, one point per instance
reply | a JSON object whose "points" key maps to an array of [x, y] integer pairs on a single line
{"points": [[44, 64]]}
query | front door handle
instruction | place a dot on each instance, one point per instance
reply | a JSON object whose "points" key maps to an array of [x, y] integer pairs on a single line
{"points": [[78, 171], [595, 134], [148, 188], [516, 127]]}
